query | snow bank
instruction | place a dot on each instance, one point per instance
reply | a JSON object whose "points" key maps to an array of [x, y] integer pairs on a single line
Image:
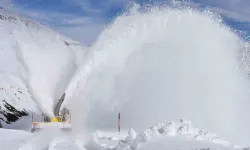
{"points": [[172, 135], [182, 130]]}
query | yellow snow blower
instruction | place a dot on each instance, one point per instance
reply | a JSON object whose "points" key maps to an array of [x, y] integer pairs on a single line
{"points": [[60, 121]]}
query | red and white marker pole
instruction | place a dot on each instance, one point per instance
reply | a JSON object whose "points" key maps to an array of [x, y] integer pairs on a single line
{"points": [[119, 122], [32, 117]]}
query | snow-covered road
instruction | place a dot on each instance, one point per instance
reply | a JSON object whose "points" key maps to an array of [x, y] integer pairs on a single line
{"points": [[180, 135]]}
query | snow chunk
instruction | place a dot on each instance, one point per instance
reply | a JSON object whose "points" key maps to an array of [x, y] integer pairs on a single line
{"points": [[131, 135], [183, 128]]}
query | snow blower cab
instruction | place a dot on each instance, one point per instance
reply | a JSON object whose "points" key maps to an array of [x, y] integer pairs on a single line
{"points": [[59, 121]]}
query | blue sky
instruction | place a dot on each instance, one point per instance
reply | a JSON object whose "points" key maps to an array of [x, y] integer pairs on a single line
{"points": [[83, 20]]}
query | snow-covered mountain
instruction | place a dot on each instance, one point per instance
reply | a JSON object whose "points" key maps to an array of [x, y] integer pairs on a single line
{"points": [[36, 64]]}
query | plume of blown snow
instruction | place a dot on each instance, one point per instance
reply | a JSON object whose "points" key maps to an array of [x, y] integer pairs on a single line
{"points": [[163, 64], [48, 62]]}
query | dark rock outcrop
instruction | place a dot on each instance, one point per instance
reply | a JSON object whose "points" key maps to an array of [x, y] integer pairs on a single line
{"points": [[11, 113]]}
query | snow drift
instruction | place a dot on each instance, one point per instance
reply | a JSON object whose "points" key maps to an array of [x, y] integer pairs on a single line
{"points": [[165, 63], [164, 134]]}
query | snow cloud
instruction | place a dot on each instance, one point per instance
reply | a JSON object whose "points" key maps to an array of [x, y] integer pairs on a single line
{"points": [[146, 74]]}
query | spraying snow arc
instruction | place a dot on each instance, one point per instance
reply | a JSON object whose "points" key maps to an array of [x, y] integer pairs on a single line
{"points": [[48, 62], [164, 64]]}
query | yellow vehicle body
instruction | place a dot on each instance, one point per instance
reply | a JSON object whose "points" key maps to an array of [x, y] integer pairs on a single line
{"points": [[55, 122], [58, 121]]}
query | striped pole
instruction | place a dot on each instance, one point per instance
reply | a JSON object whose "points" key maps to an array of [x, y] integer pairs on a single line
{"points": [[32, 125], [119, 122], [32, 117]]}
